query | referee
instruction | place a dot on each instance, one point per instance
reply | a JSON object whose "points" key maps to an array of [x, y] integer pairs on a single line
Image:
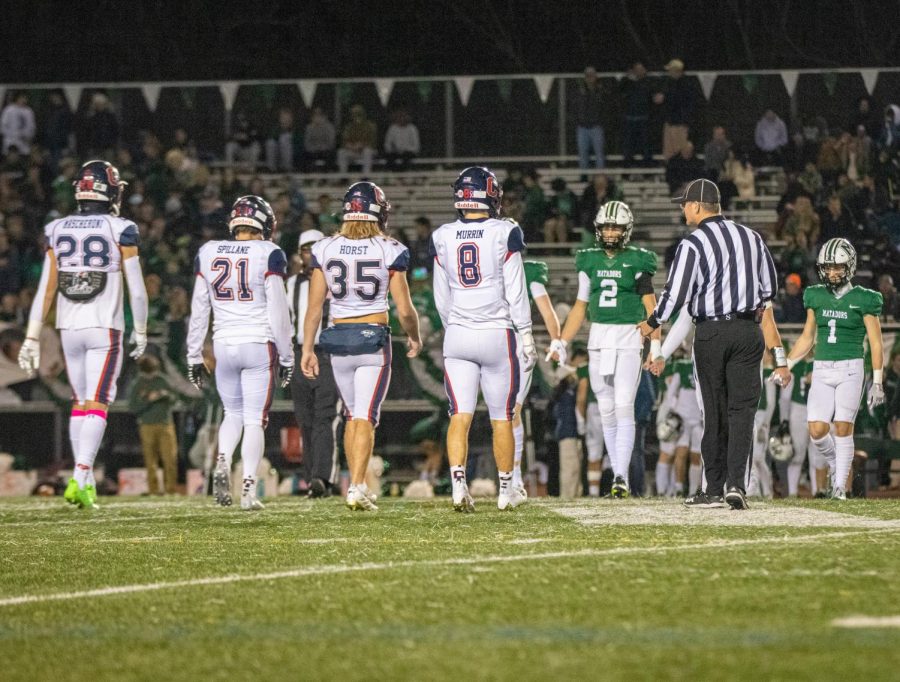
{"points": [[725, 274]]}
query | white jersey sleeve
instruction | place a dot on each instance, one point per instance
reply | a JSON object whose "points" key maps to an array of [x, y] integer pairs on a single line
{"points": [[358, 272], [235, 274], [473, 256], [85, 244]]}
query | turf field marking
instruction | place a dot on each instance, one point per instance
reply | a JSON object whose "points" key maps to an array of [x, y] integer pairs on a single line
{"points": [[334, 569], [99, 516], [671, 513], [148, 538], [867, 622]]}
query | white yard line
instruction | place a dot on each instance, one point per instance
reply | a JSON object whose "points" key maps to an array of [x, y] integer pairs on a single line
{"points": [[867, 622], [333, 569], [99, 516]]}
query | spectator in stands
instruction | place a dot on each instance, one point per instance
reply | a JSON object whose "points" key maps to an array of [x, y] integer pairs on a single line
{"points": [[863, 148], [17, 124], [683, 168], [562, 212], [182, 141], [889, 133], [863, 116], [589, 120], [799, 152], [738, 177], [10, 310], [318, 141], [770, 137], [600, 190], [243, 145], [281, 144], [811, 180], [638, 99], [101, 128], [327, 219], [150, 399], [797, 256], [420, 255], [803, 219], [177, 319], [10, 267], [828, 162], [358, 142], [677, 99], [57, 128], [835, 220], [534, 211], [790, 308], [890, 311], [401, 142], [715, 153]]}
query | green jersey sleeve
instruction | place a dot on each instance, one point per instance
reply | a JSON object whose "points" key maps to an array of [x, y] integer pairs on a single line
{"points": [[649, 262], [582, 261], [874, 303]]}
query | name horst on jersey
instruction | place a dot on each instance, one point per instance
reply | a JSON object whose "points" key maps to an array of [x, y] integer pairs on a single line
{"points": [[609, 273], [469, 234], [347, 250], [840, 314], [233, 248]]}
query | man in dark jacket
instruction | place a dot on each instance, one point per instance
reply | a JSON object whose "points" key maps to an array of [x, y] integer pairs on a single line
{"points": [[638, 99], [588, 121], [678, 102]]}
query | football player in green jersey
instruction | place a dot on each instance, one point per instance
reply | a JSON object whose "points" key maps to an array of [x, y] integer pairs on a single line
{"points": [[760, 474], [537, 276], [842, 316], [615, 292], [792, 405]]}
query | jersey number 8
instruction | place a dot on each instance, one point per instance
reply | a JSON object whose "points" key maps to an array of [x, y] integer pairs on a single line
{"points": [[469, 268]]}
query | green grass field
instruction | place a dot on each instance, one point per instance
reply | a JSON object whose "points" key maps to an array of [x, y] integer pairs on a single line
{"points": [[176, 589]]}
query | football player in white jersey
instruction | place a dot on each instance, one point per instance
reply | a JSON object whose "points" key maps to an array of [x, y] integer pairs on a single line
{"points": [[87, 254], [357, 268], [480, 294], [241, 281]]}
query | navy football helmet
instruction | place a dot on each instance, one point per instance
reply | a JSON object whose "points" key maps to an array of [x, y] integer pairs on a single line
{"points": [[99, 181], [366, 201], [254, 212], [477, 189]]}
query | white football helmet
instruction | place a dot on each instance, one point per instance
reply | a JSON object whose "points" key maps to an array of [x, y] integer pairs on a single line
{"points": [[614, 213], [837, 251], [781, 447], [670, 428]]}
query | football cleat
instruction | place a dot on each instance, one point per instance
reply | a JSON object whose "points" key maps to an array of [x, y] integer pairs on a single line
{"points": [[701, 500], [364, 489], [249, 501], [511, 499], [839, 494], [619, 488], [84, 498], [71, 494], [462, 500], [358, 501], [735, 499], [222, 484]]}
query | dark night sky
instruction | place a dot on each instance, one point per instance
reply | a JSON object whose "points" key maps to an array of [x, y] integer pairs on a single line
{"points": [[155, 40]]}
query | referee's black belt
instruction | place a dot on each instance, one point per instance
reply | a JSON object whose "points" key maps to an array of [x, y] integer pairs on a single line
{"points": [[749, 315]]}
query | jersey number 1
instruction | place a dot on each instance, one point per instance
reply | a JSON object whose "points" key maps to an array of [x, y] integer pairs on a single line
{"points": [[832, 331], [223, 267]]}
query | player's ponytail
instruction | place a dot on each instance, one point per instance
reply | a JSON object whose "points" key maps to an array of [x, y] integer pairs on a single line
{"points": [[360, 229]]}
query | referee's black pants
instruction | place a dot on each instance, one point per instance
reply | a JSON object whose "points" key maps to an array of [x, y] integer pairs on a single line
{"points": [[727, 356], [316, 409]]}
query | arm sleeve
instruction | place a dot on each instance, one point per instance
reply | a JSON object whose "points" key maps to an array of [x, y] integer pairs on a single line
{"points": [[36, 314], [677, 333], [441, 286], [199, 323], [584, 287], [277, 264], [137, 294], [537, 289], [643, 285], [678, 286], [875, 304], [279, 319], [401, 262], [130, 236], [516, 296]]}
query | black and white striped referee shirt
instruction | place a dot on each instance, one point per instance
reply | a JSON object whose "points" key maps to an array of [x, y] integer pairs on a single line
{"points": [[721, 268]]}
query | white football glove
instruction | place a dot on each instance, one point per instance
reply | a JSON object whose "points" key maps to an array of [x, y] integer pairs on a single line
{"points": [[876, 395], [558, 346], [30, 356], [139, 339], [580, 423], [529, 352]]}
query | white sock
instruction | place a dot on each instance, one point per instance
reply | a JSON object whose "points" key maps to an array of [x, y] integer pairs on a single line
{"points": [[90, 436], [505, 481], [793, 478], [519, 438], [593, 483], [610, 437], [252, 449], [843, 447], [693, 478], [663, 470], [229, 434], [458, 473], [624, 443], [826, 448], [75, 421]]}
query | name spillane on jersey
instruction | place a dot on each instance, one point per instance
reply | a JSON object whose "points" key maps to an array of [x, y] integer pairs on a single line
{"points": [[473, 253], [358, 272], [609, 283], [537, 277], [840, 329], [86, 244], [235, 273]]}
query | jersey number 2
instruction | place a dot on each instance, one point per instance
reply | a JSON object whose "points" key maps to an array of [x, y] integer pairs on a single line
{"points": [[608, 294], [223, 267], [469, 264]]}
